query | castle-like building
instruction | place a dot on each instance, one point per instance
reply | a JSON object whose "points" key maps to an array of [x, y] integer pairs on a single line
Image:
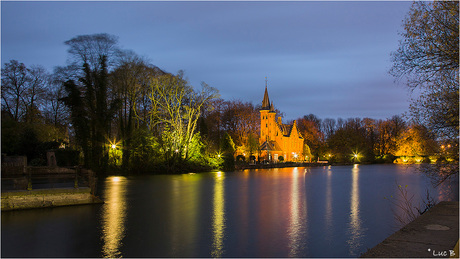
{"points": [[278, 139]]}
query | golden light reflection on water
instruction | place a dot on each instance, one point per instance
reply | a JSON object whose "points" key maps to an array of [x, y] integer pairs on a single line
{"points": [[297, 219], [114, 216], [218, 224], [355, 227], [185, 206]]}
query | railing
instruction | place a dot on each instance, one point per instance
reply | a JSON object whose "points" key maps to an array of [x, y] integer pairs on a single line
{"points": [[41, 177]]}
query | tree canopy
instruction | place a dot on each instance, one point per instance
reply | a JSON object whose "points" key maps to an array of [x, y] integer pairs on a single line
{"points": [[427, 58]]}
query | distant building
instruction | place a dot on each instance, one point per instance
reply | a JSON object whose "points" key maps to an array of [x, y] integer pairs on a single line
{"points": [[278, 139]]}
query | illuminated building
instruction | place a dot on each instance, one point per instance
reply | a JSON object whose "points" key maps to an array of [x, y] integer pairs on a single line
{"points": [[278, 139]]}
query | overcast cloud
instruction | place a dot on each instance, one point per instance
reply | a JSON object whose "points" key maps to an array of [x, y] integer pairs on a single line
{"points": [[326, 58]]}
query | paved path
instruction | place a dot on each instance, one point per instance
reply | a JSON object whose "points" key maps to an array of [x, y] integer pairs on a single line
{"points": [[433, 234]]}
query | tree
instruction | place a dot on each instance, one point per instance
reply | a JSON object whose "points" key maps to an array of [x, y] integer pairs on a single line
{"points": [[90, 49], [416, 140], [351, 139], [94, 54], [427, 58], [212, 116], [329, 126], [242, 121], [35, 93], [175, 110], [14, 88], [91, 114], [310, 128], [128, 83]]}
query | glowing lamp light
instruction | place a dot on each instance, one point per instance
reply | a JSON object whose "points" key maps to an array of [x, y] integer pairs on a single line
{"points": [[114, 146]]}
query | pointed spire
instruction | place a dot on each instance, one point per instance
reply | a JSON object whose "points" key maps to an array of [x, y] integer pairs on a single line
{"points": [[272, 107], [266, 100]]}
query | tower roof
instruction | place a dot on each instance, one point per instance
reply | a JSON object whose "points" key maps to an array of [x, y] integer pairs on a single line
{"points": [[266, 101]]}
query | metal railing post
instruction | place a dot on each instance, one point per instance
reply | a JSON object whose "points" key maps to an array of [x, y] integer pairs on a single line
{"points": [[28, 172], [76, 177]]}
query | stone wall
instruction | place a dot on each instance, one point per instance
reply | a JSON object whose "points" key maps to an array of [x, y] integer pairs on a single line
{"points": [[15, 200]]}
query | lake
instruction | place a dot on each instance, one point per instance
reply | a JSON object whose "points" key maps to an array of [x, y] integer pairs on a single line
{"points": [[330, 211]]}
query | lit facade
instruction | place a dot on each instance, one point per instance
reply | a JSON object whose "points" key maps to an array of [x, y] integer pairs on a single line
{"points": [[278, 139]]}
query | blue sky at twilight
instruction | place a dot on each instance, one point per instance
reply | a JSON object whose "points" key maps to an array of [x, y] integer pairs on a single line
{"points": [[326, 58]]}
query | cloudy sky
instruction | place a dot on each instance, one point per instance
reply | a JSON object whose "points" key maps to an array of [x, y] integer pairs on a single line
{"points": [[326, 58]]}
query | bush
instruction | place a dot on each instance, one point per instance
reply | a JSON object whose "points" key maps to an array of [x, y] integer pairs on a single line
{"points": [[281, 158], [229, 162]]}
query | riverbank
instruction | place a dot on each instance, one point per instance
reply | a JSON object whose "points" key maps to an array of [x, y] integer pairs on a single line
{"points": [[433, 234], [279, 165], [42, 198]]}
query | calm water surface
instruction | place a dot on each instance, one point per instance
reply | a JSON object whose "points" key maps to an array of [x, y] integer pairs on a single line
{"points": [[291, 212]]}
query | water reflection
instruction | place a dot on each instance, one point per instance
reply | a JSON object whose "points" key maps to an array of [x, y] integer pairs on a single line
{"points": [[114, 216], [328, 216], [355, 228], [297, 216], [218, 224], [184, 214], [246, 214]]}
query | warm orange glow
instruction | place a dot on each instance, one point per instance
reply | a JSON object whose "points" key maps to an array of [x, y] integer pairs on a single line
{"points": [[114, 214], [297, 214]]}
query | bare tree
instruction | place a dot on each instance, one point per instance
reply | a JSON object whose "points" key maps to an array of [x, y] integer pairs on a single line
{"points": [[329, 127], [175, 108], [36, 91], [129, 82], [14, 86], [91, 49], [427, 58]]}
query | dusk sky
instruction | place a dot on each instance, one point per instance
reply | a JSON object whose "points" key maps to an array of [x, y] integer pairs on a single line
{"points": [[326, 58]]}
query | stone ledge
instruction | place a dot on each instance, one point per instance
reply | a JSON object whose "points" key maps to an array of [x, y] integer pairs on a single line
{"points": [[434, 234], [41, 198]]}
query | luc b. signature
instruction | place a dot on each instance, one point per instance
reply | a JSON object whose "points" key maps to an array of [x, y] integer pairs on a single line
{"points": [[442, 253]]}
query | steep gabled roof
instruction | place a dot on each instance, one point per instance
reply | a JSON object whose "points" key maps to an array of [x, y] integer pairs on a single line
{"points": [[266, 101], [285, 129], [270, 145]]}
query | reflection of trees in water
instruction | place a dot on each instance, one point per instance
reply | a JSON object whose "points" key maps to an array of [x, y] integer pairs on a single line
{"points": [[441, 175]]}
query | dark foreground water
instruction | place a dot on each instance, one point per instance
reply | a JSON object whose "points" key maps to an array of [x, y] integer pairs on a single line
{"points": [[292, 212]]}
